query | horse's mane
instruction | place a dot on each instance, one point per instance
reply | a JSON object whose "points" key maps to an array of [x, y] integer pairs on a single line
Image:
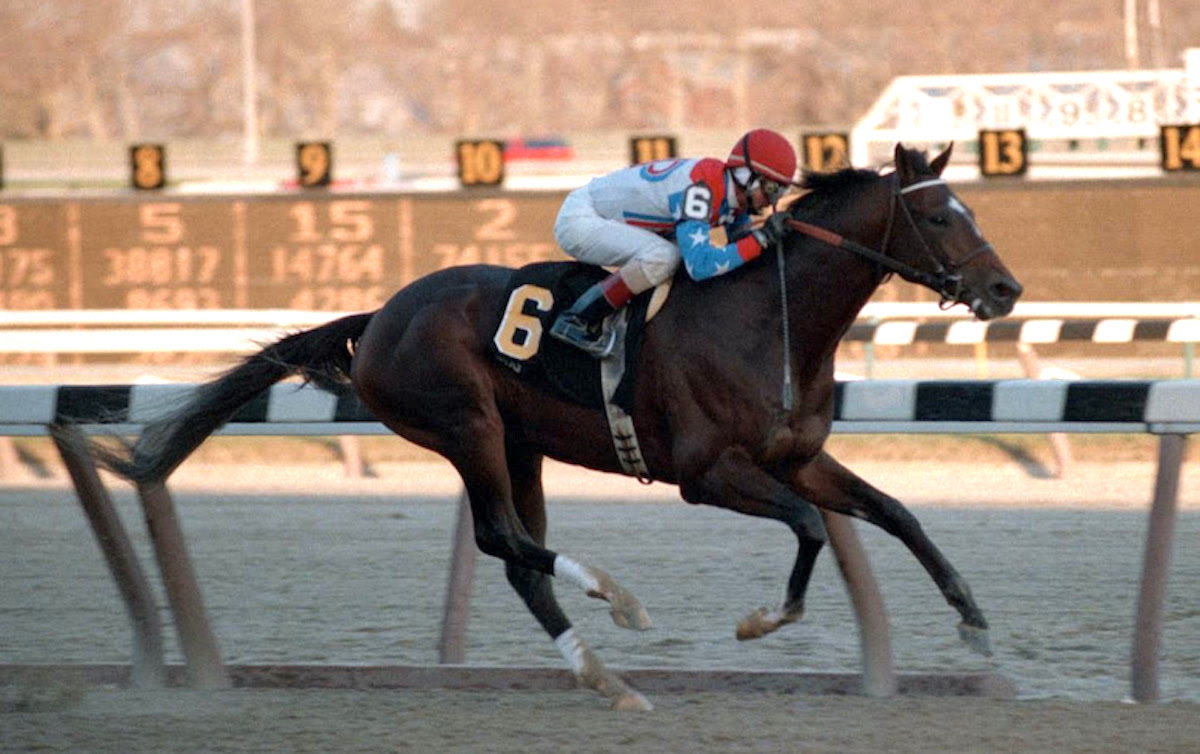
{"points": [[832, 189]]}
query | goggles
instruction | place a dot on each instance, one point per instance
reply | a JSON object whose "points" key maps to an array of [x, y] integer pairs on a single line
{"points": [[771, 189]]}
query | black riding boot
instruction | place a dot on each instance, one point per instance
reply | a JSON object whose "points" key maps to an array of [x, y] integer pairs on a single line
{"points": [[583, 324]]}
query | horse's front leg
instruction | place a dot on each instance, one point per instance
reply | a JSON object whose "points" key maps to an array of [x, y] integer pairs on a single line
{"points": [[830, 485], [736, 483]]}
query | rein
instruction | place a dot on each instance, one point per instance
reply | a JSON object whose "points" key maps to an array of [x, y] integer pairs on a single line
{"points": [[883, 260]]}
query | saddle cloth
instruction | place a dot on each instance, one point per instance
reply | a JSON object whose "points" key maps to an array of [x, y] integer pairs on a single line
{"points": [[522, 342]]}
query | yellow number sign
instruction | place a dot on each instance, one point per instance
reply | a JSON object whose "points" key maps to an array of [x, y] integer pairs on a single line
{"points": [[314, 163], [826, 152], [480, 162], [148, 166], [1180, 147], [651, 148], [1003, 152]]}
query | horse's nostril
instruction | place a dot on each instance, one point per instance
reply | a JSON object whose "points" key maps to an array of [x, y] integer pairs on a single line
{"points": [[1006, 290]]}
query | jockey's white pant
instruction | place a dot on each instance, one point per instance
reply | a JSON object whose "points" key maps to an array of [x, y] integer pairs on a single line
{"points": [[645, 259]]}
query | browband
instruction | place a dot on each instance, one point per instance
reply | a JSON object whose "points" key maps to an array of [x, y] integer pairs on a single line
{"points": [[922, 185]]}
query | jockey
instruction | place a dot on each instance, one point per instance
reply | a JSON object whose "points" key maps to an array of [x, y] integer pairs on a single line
{"points": [[646, 218]]}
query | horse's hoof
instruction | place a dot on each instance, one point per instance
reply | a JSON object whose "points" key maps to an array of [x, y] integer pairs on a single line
{"points": [[632, 701], [594, 675], [976, 638], [752, 626], [761, 622], [627, 612]]}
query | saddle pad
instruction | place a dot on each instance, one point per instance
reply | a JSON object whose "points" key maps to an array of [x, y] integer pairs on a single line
{"points": [[534, 296]]}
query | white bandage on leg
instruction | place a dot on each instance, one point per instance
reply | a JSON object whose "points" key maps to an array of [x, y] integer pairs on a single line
{"points": [[572, 649], [565, 568]]}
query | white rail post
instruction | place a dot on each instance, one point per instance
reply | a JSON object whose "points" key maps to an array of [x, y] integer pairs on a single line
{"points": [[879, 676], [1060, 444], [148, 669], [10, 459], [352, 458], [206, 669], [452, 644], [1157, 559]]}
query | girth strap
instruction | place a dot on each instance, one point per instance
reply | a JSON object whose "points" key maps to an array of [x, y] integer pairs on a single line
{"points": [[620, 424]]}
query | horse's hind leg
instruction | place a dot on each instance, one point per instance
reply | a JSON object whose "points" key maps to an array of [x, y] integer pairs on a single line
{"points": [[537, 590], [830, 485], [499, 532], [444, 400]]}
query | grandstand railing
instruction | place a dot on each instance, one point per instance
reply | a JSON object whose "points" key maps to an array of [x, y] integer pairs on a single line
{"points": [[880, 323]]}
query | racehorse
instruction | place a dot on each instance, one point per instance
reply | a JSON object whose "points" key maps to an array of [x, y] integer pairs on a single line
{"points": [[708, 406]]}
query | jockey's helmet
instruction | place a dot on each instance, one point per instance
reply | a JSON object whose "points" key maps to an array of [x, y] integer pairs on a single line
{"points": [[767, 153], [768, 156]]}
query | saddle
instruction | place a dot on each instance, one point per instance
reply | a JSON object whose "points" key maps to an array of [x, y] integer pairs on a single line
{"points": [[535, 295]]}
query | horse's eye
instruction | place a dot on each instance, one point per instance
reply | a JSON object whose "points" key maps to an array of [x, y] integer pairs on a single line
{"points": [[940, 220]]}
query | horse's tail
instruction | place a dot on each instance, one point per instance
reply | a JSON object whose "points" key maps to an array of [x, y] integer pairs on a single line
{"points": [[321, 355]]}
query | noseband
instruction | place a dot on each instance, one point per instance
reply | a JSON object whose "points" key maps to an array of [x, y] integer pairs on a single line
{"points": [[945, 280]]}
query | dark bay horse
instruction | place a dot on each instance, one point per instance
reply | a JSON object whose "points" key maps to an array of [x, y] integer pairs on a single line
{"points": [[708, 408]]}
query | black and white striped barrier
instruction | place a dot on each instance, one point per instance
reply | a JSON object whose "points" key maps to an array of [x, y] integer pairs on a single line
{"points": [[1157, 406], [903, 332], [862, 406], [284, 409]]}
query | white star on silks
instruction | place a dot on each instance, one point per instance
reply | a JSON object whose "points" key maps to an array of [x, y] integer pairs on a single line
{"points": [[722, 268], [697, 237]]}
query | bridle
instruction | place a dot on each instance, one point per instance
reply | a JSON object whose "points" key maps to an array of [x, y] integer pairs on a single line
{"points": [[945, 279]]}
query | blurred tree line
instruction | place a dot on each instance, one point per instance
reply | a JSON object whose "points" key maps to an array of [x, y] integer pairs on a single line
{"points": [[133, 69]]}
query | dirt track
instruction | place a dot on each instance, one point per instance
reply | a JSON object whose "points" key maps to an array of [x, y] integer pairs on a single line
{"points": [[71, 717], [515, 721]]}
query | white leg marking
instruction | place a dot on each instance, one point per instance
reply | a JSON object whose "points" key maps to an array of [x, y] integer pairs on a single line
{"points": [[572, 649], [565, 568]]}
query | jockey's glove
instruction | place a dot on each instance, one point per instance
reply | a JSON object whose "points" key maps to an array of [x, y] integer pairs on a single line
{"points": [[773, 230]]}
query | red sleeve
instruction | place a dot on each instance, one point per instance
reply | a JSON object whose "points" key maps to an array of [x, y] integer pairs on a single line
{"points": [[748, 247], [711, 172]]}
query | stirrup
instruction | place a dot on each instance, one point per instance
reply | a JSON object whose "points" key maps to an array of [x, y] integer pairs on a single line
{"points": [[571, 329]]}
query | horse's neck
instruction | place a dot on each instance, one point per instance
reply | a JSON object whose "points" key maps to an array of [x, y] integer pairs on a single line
{"points": [[830, 285]]}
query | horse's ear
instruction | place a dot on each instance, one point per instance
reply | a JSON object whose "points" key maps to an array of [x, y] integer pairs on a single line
{"points": [[942, 160], [903, 166]]}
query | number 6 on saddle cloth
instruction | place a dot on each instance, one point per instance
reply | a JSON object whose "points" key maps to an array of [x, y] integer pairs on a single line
{"points": [[532, 303], [563, 371]]}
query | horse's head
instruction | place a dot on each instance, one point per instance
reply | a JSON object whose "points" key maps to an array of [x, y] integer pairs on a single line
{"points": [[934, 233]]}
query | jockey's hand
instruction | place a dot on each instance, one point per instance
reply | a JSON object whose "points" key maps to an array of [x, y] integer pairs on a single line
{"points": [[773, 230]]}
